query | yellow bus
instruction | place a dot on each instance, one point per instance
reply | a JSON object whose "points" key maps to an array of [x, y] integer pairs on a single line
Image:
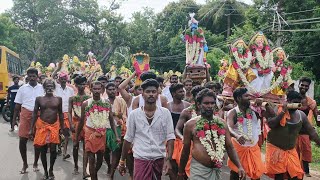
{"points": [[10, 65]]}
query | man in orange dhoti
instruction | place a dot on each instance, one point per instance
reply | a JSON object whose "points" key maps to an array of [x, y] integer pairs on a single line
{"points": [[309, 107], [187, 114], [244, 127], [47, 126], [75, 104], [176, 106], [99, 117], [25, 100], [281, 157]]}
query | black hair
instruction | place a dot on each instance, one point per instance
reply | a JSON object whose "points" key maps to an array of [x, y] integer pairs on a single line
{"points": [[160, 79], [110, 84], [150, 82], [75, 75], [80, 79], [32, 71], [118, 77], [101, 78], [173, 75], [305, 79], [174, 87], [195, 90], [187, 80], [239, 92], [96, 83], [293, 95], [147, 75], [209, 85], [46, 81], [205, 93], [15, 77], [136, 87]]}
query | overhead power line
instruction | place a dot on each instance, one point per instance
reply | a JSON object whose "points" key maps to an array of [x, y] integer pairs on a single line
{"points": [[296, 12], [296, 30]]}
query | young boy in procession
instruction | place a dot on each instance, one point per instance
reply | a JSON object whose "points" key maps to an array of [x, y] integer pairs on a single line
{"points": [[119, 109], [75, 104], [176, 107], [282, 160], [99, 117], [207, 158], [11, 95], [245, 127], [309, 107], [149, 130], [188, 87], [47, 126], [25, 101]]}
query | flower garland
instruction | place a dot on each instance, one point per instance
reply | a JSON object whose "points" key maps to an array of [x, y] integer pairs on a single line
{"points": [[240, 118], [214, 130], [77, 103], [244, 61], [264, 63], [192, 108], [284, 75], [98, 113]]}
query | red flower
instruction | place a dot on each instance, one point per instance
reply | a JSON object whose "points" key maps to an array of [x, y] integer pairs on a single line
{"points": [[201, 134], [240, 120], [214, 127], [206, 126], [267, 71], [234, 49], [285, 85], [267, 48], [235, 65], [221, 131], [283, 71], [249, 116]]}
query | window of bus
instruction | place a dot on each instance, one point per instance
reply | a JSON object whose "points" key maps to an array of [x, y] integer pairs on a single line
{"points": [[14, 64]]}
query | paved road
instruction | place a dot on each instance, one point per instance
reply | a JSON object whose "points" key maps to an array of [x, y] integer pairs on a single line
{"points": [[11, 161]]}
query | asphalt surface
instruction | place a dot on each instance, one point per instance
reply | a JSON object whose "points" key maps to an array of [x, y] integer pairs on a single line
{"points": [[11, 162]]}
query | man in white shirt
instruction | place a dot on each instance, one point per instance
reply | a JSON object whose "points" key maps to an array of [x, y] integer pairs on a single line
{"points": [[25, 101], [166, 91], [65, 92], [149, 129]]}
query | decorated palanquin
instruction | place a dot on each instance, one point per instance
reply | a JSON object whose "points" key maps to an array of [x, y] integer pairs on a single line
{"points": [[264, 72], [196, 49], [141, 64]]}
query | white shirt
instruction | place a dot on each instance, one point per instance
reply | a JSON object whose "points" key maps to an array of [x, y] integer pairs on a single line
{"points": [[26, 95], [167, 94], [149, 140], [65, 94]]}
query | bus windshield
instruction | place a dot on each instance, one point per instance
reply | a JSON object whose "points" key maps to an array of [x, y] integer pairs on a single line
{"points": [[14, 64]]}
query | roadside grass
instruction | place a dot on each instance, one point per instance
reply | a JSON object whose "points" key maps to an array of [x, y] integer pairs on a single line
{"points": [[315, 165]]}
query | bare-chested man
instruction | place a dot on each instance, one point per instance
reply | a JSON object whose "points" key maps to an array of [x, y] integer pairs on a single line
{"points": [[99, 117], [75, 104], [47, 125], [176, 107], [188, 87], [206, 165]]}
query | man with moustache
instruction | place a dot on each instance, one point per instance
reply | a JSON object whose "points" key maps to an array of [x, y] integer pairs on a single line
{"points": [[149, 130], [75, 104], [282, 160], [309, 107], [207, 151], [47, 126], [245, 128], [176, 107], [99, 117], [25, 101], [166, 92]]}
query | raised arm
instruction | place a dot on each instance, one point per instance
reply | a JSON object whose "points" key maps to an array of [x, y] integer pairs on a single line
{"points": [[135, 103], [57, 69], [122, 89], [274, 121]]}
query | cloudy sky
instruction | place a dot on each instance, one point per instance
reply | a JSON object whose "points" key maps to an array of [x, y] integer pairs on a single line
{"points": [[127, 7]]}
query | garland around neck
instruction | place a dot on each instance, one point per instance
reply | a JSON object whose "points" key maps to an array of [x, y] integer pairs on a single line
{"points": [[98, 113]]}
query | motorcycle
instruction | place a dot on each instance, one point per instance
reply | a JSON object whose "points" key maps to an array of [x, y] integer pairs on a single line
{"points": [[6, 113]]}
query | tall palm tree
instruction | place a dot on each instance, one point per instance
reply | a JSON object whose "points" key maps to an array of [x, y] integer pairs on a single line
{"points": [[217, 9]]}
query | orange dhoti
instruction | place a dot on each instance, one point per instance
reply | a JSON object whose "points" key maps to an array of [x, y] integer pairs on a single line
{"points": [[25, 122], [46, 133], [94, 141], [75, 123], [303, 148], [280, 161], [66, 120], [250, 159]]}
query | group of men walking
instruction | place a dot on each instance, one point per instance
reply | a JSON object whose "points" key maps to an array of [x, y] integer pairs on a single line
{"points": [[139, 130]]}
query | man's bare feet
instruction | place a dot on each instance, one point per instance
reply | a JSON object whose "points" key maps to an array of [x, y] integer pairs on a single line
{"points": [[35, 168], [45, 177], [51, 175], [24, 169], [75, 171], [308, 175], [85, 175], [66, 156], [11, 130]]}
